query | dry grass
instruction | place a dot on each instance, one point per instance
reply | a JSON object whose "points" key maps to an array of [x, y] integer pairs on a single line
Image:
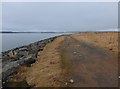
{"points": [[47, 71], [107, 40]]}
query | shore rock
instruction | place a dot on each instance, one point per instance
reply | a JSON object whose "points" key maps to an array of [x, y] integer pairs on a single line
{"points": [[24, 55]]}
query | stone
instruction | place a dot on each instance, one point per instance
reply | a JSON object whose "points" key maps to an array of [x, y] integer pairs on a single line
{"points": [[74, 52], [37, 62], [29, 60], [40, 49], [52, 62], [66, 83], [23, 49], [110, 49], [11, 54], [0, 56], [13, 59], [15, 53], [24, 55], [71, 81]]}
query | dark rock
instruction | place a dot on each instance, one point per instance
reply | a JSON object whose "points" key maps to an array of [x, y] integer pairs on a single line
{"points": [[52, 62], [14, 59], [0, 56], [29, 60], [23, 49], [7, 73], [21, 84], [24, 55], [40, 49]]}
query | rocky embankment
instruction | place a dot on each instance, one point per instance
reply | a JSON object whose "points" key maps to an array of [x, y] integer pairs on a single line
{"points": [[25, 55]]}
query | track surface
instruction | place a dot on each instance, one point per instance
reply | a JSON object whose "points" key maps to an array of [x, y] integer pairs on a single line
{"points": [[87, 65]]}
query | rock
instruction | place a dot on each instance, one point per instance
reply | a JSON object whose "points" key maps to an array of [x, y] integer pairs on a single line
{"points": [[15, 53], [74, 52], [22, 53], [23, 49], [110, 49], [14, 59], [25, 55], [28, 60], [7, 73], [3, 82], [66, 83], [40, 49], [19, 84], [11, 54], [37, 62], [0, 56], [71, 81], [52, 62], [5, 58]]}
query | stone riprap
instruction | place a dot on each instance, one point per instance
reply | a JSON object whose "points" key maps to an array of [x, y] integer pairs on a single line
{"points": [[25, 55]]}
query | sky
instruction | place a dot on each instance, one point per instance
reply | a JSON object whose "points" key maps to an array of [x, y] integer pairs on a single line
{"points": [[59, 16], [119, 15], [60, 0]]}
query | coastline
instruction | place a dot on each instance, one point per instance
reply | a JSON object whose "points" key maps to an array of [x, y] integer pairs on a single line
{"points": [[24, 55], [31, 53]]}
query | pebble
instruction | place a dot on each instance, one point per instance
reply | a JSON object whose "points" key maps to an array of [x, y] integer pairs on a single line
{"points": [[74, 52], [37, 62], [52, 62], [66, 83], [71, 81], [3, 82], [119, 77]]}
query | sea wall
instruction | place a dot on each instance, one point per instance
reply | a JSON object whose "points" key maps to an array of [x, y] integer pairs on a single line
{"points": [[24, 55]]}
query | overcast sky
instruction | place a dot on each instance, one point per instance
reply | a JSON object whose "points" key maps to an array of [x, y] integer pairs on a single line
{"points": [[59, 16]]}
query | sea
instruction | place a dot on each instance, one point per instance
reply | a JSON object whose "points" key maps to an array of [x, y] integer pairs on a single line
{"points": [[13, 40]]}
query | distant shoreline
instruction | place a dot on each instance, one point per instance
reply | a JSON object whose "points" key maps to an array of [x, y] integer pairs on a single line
{"points": [[32, 32], [57, 32]]}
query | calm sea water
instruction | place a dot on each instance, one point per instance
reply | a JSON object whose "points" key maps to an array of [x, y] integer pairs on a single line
{"points": [[12, 40]]}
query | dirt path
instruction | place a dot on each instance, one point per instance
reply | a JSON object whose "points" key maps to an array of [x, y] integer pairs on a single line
{"points": [[87, 65]]}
